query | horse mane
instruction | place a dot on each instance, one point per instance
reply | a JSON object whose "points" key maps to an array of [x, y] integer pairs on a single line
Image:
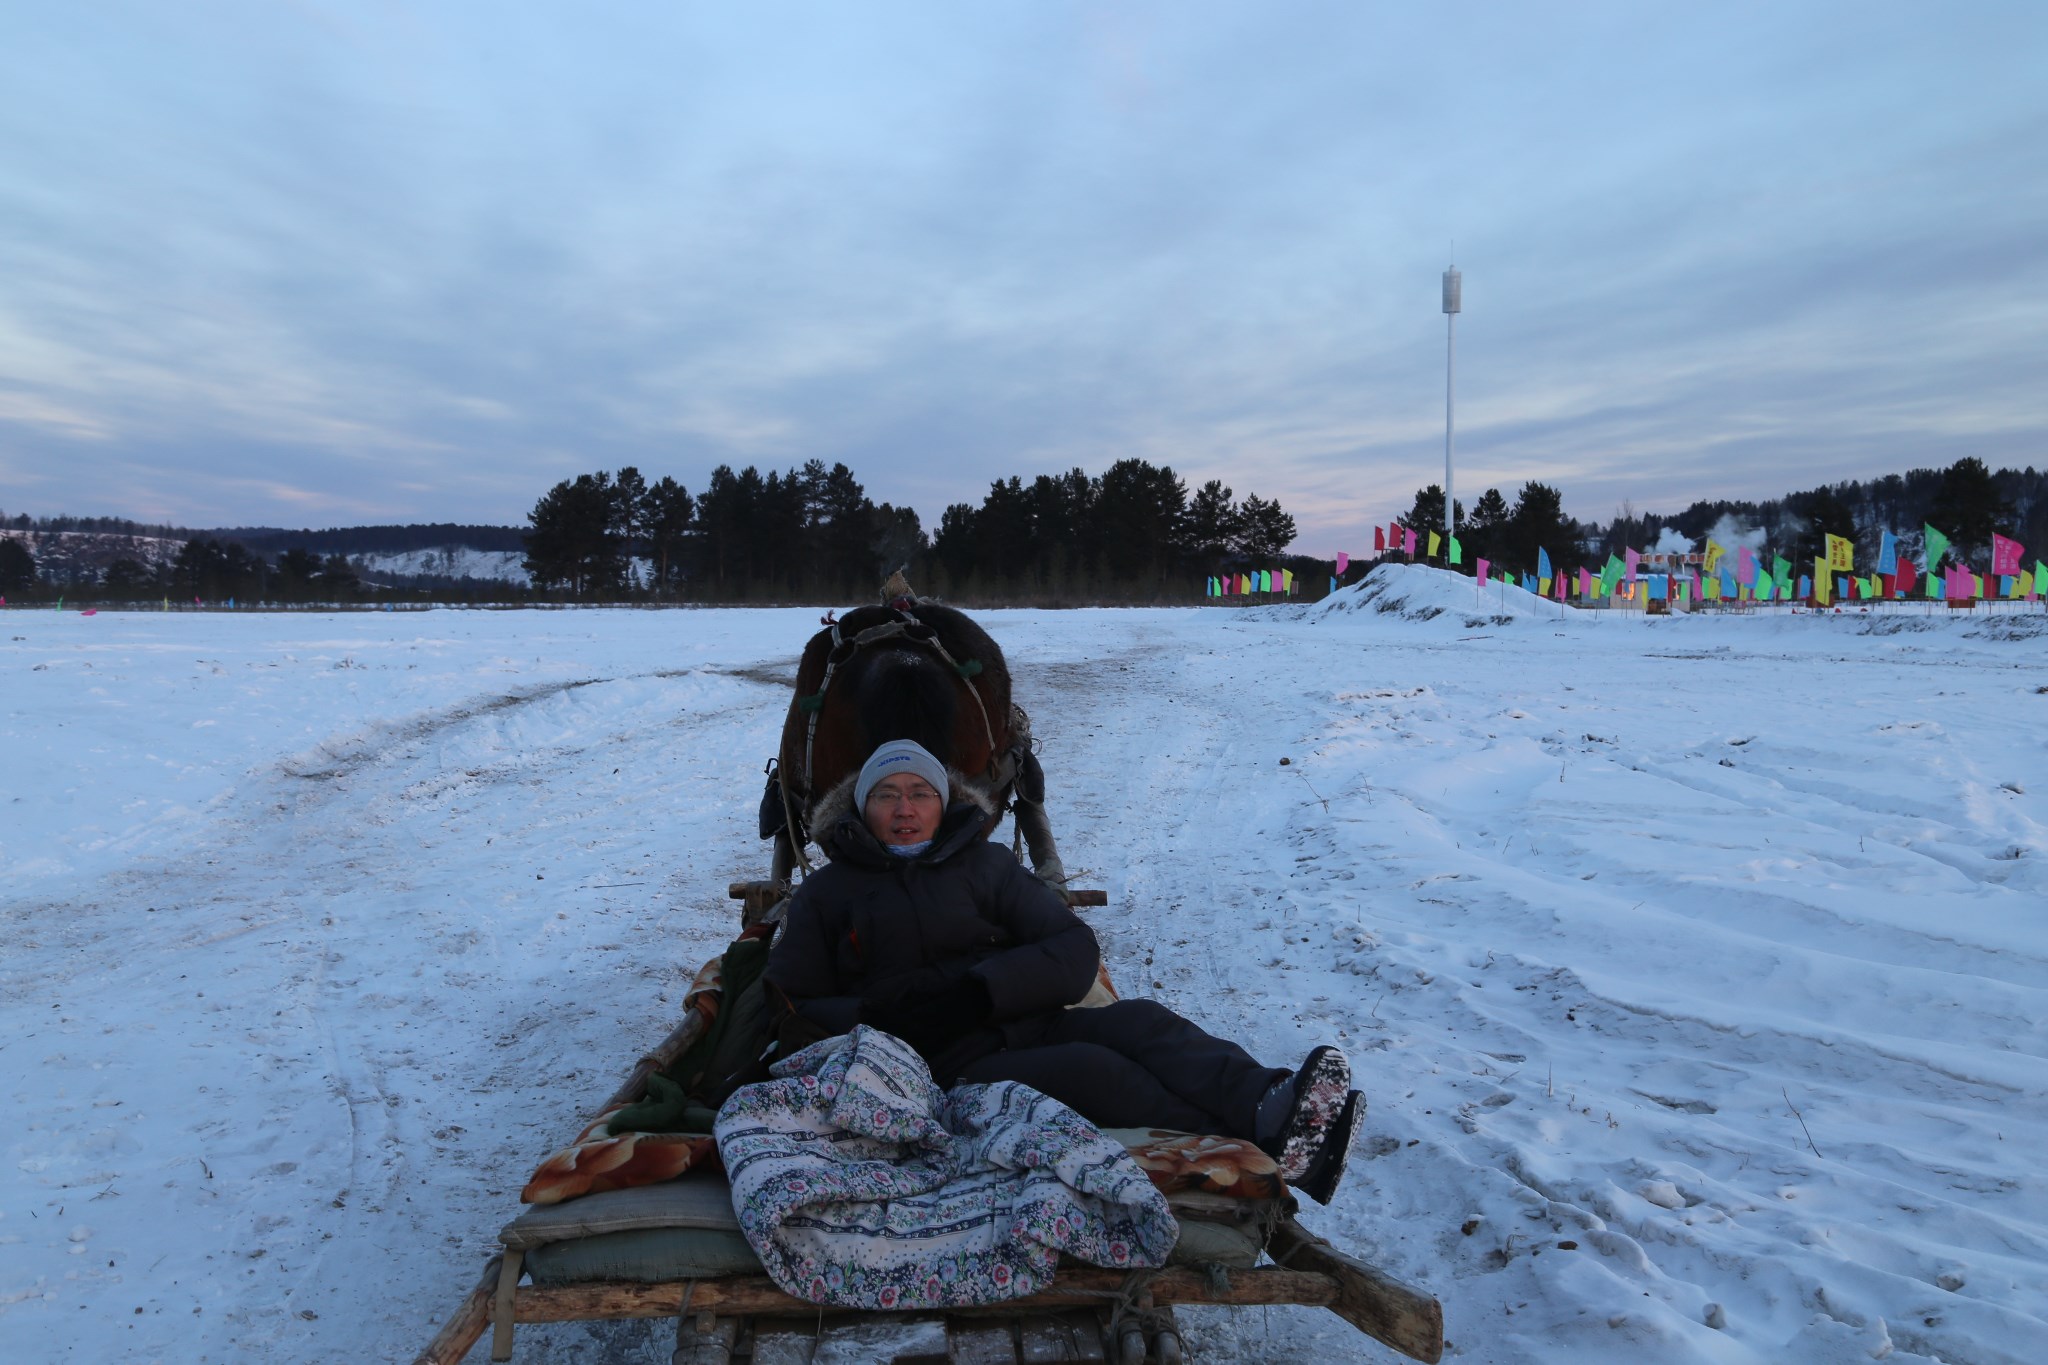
{"points": [[903, 693]]}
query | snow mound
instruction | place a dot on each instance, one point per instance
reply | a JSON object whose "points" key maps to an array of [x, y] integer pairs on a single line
{"points": [[1417, 592]]}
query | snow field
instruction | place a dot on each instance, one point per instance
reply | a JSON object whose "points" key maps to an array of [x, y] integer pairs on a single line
{"points": [[318, 932]]}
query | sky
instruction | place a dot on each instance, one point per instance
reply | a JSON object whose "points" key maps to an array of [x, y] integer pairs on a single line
{"points": [[305, 264]]}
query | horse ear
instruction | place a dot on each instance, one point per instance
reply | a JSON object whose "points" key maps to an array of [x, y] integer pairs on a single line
{"points": [[897, 589]]}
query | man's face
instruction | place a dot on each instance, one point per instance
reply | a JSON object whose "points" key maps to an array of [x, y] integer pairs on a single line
{"points": [[903, 809]]}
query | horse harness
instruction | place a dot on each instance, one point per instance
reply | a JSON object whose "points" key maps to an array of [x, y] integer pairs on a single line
{"points": [[1003, 767]]}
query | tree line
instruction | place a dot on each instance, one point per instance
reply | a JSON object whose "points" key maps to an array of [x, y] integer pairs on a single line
{"points": [[1132, 533]]}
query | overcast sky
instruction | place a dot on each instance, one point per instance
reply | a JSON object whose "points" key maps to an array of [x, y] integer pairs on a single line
{"points": [[319, 264]]}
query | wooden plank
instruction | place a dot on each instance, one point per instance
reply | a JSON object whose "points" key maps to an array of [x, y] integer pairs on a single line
{"points": [[462, 1329], [1087, 1286], [1404, 1317], [1054, 1340], [983, 1343]]}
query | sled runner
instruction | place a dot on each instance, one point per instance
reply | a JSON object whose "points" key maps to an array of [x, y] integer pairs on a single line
{"points": [[674, 1250]]}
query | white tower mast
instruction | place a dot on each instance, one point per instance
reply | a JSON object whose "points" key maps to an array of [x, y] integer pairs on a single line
{"points": [[1453, 305]]}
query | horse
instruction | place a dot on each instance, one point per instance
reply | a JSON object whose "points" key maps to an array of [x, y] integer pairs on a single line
{"points": [[905, 670]]}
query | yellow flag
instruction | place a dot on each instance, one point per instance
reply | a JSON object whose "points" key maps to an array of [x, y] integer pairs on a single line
{"points": [[1841, 553], [1821, 578], [1433, 539], [2026, 583], [1714, 553], [1543, 587]]}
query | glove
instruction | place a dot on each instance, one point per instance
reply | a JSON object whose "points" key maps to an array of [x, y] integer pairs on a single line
{"points": [[931, 1023]]}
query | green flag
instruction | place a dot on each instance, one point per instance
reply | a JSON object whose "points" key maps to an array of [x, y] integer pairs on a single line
{"points": [[1937, 546], [1457, 551]]}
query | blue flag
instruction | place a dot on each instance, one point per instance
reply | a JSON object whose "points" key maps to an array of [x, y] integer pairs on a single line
{"points": [[1542, 562], [1888, 555]]}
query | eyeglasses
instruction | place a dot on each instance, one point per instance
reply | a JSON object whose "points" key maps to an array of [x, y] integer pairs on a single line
{"points": [[920, 795]]}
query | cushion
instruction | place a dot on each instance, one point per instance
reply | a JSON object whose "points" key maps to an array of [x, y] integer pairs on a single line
{"points": [[686, 1229]]}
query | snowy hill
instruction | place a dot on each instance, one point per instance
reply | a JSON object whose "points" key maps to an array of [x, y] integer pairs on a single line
{"points": [[1417, 592], [1696, 968], [445, 561]]}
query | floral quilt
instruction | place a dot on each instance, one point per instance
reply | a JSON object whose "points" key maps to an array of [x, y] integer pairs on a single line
{"points": [[860, 1183]]}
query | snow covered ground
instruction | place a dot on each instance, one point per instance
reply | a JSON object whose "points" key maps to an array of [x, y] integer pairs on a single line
{"points": [[1697, 968]]}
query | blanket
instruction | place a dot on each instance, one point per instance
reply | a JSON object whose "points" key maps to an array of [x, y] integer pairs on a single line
{"points": [[860, 1183]]}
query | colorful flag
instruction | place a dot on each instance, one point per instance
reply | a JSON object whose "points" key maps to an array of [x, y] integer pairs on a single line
{"points": [[1408, 542], [1905, 576], [1457, 551], [1781, 569], [1543, 587], [1659, 586], [1482, 566], [1765, 589], [2027, 584], [1714, 552], [1507, 576], [1805, 587], [1713, 590], [1745, 565], [1343, 563], [1697, 594], [1728, 584], [1630, 564], [1888, 554], [1557, 587], [2006, 585], [1820, 579], [1542, 562], [1937, 546], [1434, 541], [1841, 553], [1585, 582], [1379, 540], [2005, 554]]}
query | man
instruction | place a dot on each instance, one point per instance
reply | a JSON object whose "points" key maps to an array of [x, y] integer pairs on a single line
{"points": [[922, 928]]}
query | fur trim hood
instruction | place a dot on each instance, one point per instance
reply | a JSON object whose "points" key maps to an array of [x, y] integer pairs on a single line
{"points": [[841, 832]]}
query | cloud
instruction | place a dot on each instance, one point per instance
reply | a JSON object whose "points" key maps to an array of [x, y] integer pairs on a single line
{"points": [[455, 255]]}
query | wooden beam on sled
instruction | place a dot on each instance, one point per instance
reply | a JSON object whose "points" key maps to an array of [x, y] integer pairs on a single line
{"points": [[747, 1295], [760, 897], [466, 1324], [1404, 1317]]}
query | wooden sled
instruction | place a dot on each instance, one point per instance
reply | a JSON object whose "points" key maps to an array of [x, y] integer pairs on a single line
{"points": [[1232, 1251]]}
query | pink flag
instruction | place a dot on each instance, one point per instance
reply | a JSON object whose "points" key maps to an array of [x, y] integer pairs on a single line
{"points": [[1630, 560], [1482, 566], [2005, 554], [1557, 587], [1408, 546], [1585, 582], [1699, 590], [1745, 565], [1343, 563]]}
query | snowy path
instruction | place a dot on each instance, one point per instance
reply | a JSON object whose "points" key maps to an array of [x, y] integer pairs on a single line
{"points": [[302, 966]]}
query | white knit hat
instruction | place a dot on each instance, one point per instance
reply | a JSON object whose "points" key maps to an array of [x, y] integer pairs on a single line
{"points": [[898, 756]]}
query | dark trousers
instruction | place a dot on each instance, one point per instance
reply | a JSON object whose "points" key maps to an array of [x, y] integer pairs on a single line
{"points": [[1133, 1064]]}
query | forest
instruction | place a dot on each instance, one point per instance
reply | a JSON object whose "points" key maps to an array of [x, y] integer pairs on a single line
{"points": [[1133, 534]]}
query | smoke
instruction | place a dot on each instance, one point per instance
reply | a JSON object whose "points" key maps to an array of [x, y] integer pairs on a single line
{"points": [[1733, 534], [1670, 542]]}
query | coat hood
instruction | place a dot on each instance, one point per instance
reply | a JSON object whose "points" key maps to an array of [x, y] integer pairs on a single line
{"points": [[841, 832]]}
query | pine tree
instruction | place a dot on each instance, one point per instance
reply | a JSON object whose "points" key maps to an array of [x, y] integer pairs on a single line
{"points": [[17, 566], [1968, 506]]}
